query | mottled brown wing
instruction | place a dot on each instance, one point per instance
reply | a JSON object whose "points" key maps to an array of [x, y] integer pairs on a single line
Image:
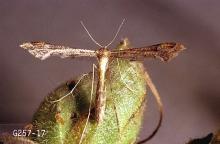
{"points": [[163, 51], [43, 50]]}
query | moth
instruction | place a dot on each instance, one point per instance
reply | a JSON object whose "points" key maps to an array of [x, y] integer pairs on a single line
{"points": [[162, 51]]}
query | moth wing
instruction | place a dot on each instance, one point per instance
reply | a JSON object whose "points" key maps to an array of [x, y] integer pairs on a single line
{"points": [[44, 50], [163, 51]]}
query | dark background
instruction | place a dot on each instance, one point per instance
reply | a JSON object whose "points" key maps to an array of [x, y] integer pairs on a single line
{"points": [[189, 85]]}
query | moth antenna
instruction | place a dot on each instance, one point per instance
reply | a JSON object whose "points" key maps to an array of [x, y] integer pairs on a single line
{"points": [[90, 35], [90, 105], [119, 28]]}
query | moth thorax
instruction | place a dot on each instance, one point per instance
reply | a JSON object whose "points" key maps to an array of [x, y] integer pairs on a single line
{"points": [[103, 52]]}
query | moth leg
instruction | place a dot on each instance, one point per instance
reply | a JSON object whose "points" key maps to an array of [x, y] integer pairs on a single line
{"points": [[90, 103], [71, 92], [159, 104]]}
